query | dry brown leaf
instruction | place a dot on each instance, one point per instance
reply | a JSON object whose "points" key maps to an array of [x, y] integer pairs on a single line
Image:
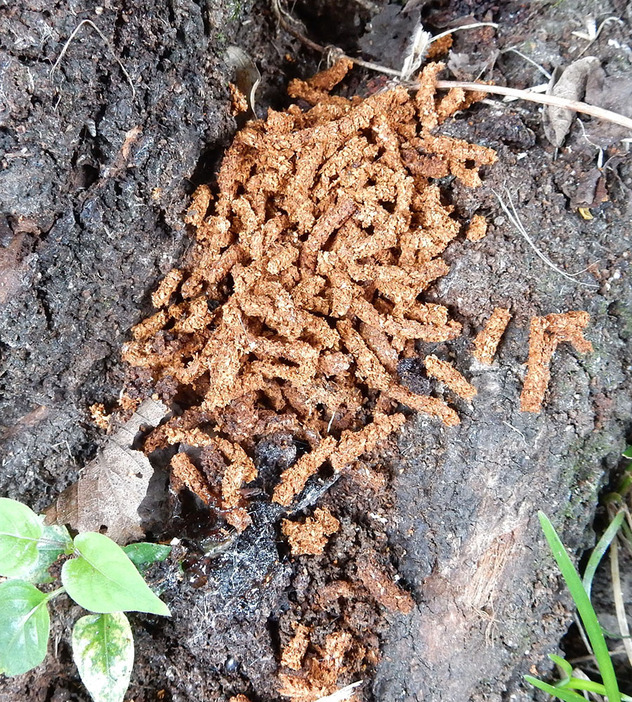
{"points": [[571, 86], [113, 485]]}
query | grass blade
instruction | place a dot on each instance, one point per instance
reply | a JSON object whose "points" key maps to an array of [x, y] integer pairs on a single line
{"points": [[600, 549], [566, 695], [619, 604], [585, 609], [564, 667]]}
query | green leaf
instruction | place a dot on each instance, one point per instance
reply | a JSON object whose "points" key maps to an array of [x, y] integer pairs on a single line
{"points": [[584, 607], [103, 579], [24, 627], [565, 668], [55, 538], [20, 529], [54, 542], [566, 695], [103, 650], [144, 554], [600, 549], [628, 452]]}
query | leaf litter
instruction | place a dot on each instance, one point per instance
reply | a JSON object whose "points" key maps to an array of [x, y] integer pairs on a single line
{"points": [[112, 486]]}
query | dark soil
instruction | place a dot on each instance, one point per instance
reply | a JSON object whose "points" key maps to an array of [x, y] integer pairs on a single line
{"points": [[94, 180]]}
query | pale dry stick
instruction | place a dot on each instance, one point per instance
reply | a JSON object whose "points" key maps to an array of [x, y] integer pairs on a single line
{"points": [[582, 634], [574, 105], [617, 594], [107, 43], [592, 659], [593, 39], [515, 220]]}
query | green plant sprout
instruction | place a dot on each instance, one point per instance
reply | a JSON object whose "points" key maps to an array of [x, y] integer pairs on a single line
{"points": [[97, 574], [580, 589]]}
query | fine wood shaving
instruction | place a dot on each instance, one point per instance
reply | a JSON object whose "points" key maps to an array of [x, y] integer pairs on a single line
{"points": [[305, 285], [487, 340], [477, 228], [293, 653], [383, 588], [447, 374], [546, 333], [319, 676], [310, 537]]}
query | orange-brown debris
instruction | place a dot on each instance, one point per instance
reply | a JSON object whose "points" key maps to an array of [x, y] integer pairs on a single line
{"points": [[424, 403], [447, 374], [238, 101], [185, 474], [310, 537], [167, 287], [239, 698], [305, 286], [382, 587], [353, 444], [295, 477], [292, 655], [100, 416], [241, 470], [439, 47], [545, 335], [477, 228], [321, 671], [487, 340]]}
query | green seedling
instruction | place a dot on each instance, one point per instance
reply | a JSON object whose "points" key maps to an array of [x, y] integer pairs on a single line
{"points": [[565, 688], [97, 574]]}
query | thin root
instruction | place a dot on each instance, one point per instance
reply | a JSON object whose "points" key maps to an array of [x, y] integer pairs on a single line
{"points": [[108, 44], [515, 220]]}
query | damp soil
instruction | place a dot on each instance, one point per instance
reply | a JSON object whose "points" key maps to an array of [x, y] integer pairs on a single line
{"points": [[95, 176]]}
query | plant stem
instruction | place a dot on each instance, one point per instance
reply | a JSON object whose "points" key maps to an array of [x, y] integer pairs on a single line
{"points": [[55, 593]]}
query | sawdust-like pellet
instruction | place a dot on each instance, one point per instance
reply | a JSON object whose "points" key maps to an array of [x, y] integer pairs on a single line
{"points": [[310, 537], [293, 653], [185, 474], [487, 340], [381, 586], [353, 444], [167, 287], [321, 670], [477, 228], [433, 406], [546, 333], [447, 374], [241, 470], [238, 101], [295, 477]]}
